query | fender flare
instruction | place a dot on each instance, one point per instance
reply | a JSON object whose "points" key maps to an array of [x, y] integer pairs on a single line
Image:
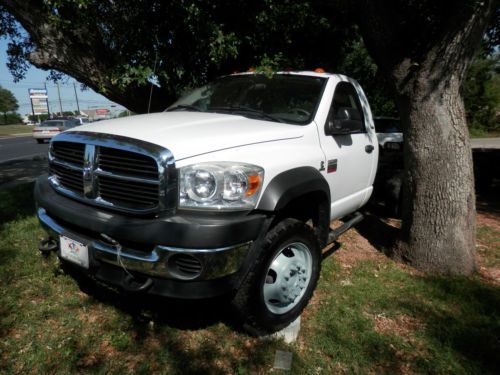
{"points": [[291, 184]]}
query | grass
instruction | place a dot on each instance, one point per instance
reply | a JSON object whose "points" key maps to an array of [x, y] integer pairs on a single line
{"points": [[489, 245], [14, 129], [368, 315], [481, 133]]}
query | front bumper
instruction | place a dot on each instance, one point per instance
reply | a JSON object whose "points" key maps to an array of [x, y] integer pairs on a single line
{"points": [[215, 248]]}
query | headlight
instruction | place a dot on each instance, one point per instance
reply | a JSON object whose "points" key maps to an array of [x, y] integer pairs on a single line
{"points": [[220, 186]]}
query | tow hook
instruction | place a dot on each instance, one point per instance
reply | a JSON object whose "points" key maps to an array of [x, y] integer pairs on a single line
{"points": [[135, 285], [47, 245]]}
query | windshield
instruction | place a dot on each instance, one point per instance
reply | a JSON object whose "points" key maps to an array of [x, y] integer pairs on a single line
{"points": [[281, 97]]}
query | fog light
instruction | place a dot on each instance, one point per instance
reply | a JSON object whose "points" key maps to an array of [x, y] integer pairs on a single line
{"points": [[184, 266]]}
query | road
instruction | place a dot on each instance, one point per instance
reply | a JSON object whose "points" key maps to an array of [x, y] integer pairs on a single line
{"points": [[21, 147], [486, 143]]}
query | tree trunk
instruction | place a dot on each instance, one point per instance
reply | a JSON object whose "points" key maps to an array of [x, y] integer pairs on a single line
{"points": [[424, 49], [438, 229]]}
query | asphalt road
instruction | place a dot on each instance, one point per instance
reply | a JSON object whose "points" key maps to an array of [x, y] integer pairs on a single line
{"points": [[488, 143], [21, 147]]}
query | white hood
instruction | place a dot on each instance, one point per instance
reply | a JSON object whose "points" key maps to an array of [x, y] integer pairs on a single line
{"points": [[188, 134]]}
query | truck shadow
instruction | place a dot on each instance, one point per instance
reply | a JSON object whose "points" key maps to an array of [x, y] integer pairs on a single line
{"points": [[176, 313]]}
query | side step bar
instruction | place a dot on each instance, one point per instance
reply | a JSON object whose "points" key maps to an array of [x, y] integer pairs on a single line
{"points": [[335, 233]]}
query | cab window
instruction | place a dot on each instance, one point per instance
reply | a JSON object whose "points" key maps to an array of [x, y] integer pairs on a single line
{"points": [[347, 107]]}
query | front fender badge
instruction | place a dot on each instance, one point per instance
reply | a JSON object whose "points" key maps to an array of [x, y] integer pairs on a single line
{"points": [[332, 166]]}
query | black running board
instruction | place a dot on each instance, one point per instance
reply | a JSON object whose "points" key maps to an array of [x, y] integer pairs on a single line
{"points": [[335, 233]]}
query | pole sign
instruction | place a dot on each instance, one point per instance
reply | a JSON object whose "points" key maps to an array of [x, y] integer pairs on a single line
{"points": [[39, 101]]}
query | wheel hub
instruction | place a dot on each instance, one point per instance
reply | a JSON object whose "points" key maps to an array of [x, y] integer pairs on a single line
{"points": [[287, 278]]}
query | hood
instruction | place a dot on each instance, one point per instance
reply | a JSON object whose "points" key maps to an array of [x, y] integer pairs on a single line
{"points": [[188, 134]]}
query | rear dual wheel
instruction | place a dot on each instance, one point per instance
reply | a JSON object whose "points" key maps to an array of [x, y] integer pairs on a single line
{"points": [[282, 279]]}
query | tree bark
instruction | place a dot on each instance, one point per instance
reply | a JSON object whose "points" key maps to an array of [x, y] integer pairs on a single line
{"points": [[438, 231], [424, 49]]}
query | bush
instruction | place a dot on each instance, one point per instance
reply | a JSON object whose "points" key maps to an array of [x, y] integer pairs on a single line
{"points": [[10, 118]]}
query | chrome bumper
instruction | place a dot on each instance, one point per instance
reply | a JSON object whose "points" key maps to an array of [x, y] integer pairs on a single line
{"points": [[162, 261]]}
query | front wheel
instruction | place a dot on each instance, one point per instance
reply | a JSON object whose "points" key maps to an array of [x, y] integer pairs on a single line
{"points": [[281, 280]]}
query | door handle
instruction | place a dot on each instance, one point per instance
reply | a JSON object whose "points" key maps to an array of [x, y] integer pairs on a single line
{"points": [[369, 148]]}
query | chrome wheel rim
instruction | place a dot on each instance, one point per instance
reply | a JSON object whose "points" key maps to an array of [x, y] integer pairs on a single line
{"points": [[287, 278]]}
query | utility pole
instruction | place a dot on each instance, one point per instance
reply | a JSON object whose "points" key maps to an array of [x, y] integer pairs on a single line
{"points": [[31, 102], [59, 94], [48, 108], [76, 96]]}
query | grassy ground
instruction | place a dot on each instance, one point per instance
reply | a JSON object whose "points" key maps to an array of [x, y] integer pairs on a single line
{"points": [[368, 315], [14, 129], [480, 133]]}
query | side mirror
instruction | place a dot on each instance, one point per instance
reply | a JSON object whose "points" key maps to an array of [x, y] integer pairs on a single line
{"points": [[344, 121]]}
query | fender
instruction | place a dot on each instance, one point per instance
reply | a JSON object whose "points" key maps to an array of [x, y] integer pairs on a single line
{"points": [[292, 184]]}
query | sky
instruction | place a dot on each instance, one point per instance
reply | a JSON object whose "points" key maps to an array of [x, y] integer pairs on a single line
{"points": [[36, 78]]}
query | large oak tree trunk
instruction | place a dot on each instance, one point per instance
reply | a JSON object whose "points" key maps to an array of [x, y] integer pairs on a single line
{"points": [[438, 231], [424, 48]]}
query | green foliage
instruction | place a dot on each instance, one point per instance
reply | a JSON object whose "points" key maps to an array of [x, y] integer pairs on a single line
{"points": [[481, 92], [185, 44], [357, 63], [10, 118], [175, 44], [8, 103]]}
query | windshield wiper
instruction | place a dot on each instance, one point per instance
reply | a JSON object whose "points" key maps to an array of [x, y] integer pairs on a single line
{"points": [[245, 110], [184, 107]]}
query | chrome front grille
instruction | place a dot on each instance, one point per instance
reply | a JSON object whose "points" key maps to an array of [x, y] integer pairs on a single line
{"points": [[129, 193], [69, 178], [129, 163], [69, 152], [117, 172]]}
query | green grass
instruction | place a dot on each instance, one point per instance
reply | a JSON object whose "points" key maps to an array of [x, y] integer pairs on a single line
{"points": [[14, 129], [489, 245], [368, 316], [481, 133]]}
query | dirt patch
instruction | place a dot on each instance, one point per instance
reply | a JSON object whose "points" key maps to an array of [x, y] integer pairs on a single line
{"points": [[490, 219], [356, 248], [401, 325]]}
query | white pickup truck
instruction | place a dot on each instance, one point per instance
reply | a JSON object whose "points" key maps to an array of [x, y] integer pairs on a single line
{"points": [[231, 190]]}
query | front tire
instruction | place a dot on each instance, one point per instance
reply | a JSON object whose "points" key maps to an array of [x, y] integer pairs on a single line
{"points": [[39, 141], [281, 280]]}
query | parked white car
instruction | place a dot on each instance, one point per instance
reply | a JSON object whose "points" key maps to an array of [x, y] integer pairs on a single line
{"points": [[389, 133], [49, 128]]}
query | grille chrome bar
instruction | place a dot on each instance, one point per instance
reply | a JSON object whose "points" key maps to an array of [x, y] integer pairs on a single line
{"points": [[116, 172], [100, 172]]}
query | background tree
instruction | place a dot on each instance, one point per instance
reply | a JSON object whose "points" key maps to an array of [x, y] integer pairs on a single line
{"points": [[8, 103], [424, 49], [481, 92], [118, 48]]}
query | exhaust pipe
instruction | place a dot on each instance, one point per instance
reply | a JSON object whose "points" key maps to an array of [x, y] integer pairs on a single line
{"points": [[47, 245]]}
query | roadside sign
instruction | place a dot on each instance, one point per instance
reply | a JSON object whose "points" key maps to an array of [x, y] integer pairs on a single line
{"points": [[39, 101]]}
